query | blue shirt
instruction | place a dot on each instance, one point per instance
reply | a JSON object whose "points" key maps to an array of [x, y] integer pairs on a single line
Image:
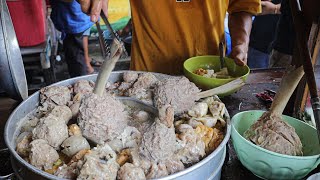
{"points": [[68, 17]]}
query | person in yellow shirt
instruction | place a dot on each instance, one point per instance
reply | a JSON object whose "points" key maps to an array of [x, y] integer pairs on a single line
{"points": [[166, 33]]}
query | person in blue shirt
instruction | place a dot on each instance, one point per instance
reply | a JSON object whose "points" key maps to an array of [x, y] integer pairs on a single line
{"points": [[69, 19]]}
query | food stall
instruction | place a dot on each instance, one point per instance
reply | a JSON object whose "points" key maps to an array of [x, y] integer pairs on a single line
{"points": [[262, 83]]}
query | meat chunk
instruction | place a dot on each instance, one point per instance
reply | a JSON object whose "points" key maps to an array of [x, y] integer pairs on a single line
{"points": [[102, 119], [30, 124], [145, 95], [67, 172], [23, 144], [145, 81], [83, 87], [62, 112], [272, 133], [142, 88], [157, 170], [100, 164], [174, 165], [178, 91], [54, 96], [74, 144], [130, 76], [159, 141], [52, 129], [42, 155], [130, 172], [74, 107], [129, 138]]}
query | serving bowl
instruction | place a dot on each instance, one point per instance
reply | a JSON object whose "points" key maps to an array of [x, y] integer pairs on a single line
{"points": [[213, 62], [208, 168], [270, 165]]}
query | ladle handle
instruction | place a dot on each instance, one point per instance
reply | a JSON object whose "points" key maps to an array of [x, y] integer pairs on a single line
{"points": [[106, 69], [235, 84], [288, 84], [221, 53]]}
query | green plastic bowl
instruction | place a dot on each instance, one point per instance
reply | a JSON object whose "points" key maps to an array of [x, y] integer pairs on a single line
{"points": [[213, 62], [270, 165]]}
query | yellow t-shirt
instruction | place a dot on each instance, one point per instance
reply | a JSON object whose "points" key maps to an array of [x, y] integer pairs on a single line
{"points": [[166, 32]]}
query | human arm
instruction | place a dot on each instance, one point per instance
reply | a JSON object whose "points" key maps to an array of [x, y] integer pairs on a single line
{"points": [[240, 24], [94, 7], [270, 8]]}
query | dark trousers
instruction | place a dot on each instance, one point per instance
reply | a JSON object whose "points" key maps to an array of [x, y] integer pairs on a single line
{"points": [[74, 54]]}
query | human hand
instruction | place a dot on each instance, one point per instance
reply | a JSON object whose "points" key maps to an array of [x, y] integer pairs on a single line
{"points": [[269, 8], [92, 8], [239, 54]]}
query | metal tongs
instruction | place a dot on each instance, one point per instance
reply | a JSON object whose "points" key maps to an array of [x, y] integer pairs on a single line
{"points": [[106, 51], [301, 34]]}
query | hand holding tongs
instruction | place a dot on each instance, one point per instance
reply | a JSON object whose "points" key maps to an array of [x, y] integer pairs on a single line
{"points": [[113, 32]]}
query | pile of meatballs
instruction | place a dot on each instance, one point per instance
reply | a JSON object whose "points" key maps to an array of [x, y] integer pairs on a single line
{"points": [[76, 134]]}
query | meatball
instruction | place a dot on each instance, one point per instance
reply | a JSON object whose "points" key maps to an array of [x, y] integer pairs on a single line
{"points": [[130, 76], [42, 155], [100, 164], [52, 129], [74, 144], [130, 172], [83, 87], [102, 119], [62, 112], [178, 91], [159, 141]]}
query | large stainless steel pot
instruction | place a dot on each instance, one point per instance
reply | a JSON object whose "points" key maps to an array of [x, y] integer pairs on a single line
{"points": [[208, 168]]}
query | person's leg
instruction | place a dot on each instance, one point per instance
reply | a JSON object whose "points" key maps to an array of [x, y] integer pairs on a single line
{"points": [[74, 55], [86, 54], [257, 59]]}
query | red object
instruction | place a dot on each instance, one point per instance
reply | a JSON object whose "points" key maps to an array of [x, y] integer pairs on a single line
{"points": [[29, 21], [266, 96]]}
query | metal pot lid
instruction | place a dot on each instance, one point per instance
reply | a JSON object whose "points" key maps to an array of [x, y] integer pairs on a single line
{"points": [[12, 73]]}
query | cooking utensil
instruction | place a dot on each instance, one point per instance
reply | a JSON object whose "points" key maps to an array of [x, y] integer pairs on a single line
{"points": [[288, 84], [302, 38], [208, 168], [106, 68], [235, 84], [102, 43], [221, 53], [113, 32], [12, 74]]}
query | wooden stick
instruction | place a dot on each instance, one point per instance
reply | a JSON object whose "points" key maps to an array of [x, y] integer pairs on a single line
{"points": [[288, 84], [235, 84], [314, 60]]}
